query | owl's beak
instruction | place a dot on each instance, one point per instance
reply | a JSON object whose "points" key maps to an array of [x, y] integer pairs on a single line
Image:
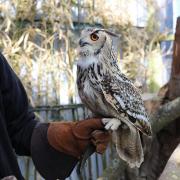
{"points": [[82, 43]]}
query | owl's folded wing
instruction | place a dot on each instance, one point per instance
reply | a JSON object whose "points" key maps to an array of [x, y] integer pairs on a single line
{"points": [[124, 97]]}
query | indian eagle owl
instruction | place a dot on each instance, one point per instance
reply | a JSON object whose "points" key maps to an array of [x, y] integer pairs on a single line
{"points": [[109, 93]]}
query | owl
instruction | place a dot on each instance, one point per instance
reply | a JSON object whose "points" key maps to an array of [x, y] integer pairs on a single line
{"points": [[110, 94]]}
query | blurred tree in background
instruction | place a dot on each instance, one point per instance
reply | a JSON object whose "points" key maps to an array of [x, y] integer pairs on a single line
{"points": [[39, 40]]}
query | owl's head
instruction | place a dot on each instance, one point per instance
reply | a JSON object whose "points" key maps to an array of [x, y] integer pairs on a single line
{"points": [[93, 40]]}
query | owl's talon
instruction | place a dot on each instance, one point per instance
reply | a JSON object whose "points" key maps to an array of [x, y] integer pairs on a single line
{"points": [[106, 120], [111, 123]]}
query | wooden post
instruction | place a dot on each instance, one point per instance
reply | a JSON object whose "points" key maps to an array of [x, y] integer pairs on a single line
{"points": [[174, 82]]}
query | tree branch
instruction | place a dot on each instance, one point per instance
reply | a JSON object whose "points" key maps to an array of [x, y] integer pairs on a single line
{"points": [[165, 114]]}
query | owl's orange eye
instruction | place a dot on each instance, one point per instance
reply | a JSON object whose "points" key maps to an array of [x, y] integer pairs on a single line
{"points": [[94, 37]]}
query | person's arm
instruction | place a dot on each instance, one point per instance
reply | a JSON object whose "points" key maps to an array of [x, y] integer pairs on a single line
{"points": [[20, 120]]}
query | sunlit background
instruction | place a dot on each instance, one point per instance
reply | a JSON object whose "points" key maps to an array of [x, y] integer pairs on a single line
{"points": [[39, 39]]}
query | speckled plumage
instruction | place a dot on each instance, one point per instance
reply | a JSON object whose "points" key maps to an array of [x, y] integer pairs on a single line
{"points": [[108, 93]]}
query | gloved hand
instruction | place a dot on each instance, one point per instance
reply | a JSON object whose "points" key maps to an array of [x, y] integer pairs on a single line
{"points": [[57, 147], [72, 138]]}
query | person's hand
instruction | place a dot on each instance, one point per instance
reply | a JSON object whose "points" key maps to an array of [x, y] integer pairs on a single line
{"points": [[73, 137]]}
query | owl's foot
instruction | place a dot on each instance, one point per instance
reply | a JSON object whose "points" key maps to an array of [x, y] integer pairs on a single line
{"points": [[111, 123]]}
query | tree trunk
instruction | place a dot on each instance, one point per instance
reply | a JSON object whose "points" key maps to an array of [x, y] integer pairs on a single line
{"points": [[174, 83]]}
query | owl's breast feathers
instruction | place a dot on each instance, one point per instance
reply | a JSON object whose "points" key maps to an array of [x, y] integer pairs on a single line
{"points": [[118, 93], [89, 91]]}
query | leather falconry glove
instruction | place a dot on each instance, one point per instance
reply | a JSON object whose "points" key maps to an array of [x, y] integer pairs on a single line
{"points": [[73, 138]]}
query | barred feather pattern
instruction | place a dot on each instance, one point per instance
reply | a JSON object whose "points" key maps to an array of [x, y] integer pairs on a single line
{"points": [[109, 93]]}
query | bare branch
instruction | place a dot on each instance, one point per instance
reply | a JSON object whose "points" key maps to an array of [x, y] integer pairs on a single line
{"points": [[165, 114]]}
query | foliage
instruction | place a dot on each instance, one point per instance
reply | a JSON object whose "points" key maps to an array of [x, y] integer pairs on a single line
{"points": [[38, 39], [39, 52]]}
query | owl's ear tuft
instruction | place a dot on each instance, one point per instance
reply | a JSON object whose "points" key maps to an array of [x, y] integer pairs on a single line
{"points": [[110, 33]]}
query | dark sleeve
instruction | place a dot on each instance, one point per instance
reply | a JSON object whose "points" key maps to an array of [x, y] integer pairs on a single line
{"points": [[49, 162], [20, 120]]}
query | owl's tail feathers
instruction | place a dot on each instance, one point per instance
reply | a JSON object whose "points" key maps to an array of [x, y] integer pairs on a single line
{"points": [[129, 146]]}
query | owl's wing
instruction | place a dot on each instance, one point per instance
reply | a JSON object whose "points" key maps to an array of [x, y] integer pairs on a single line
{"points": [[124, 97]]}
